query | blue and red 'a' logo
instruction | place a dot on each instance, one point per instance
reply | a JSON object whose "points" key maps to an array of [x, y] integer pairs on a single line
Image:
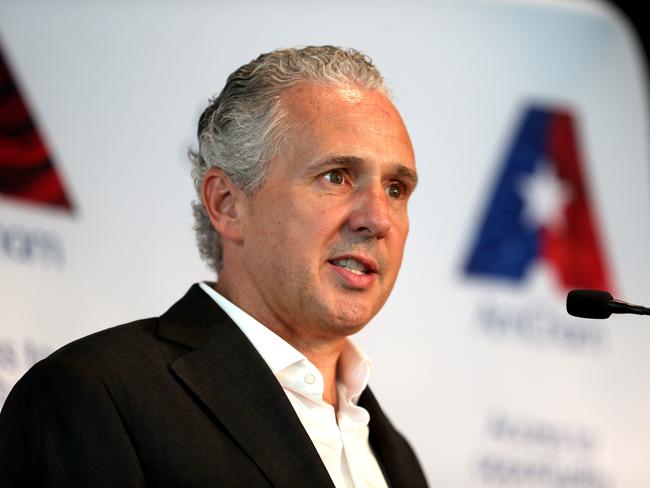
{"points": [[540, 209]]}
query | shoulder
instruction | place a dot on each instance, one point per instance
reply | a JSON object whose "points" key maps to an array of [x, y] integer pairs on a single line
{"points": [[70, 402], [108, 345], [136, 354], [109, 358], [103, 350], [89, 355]]}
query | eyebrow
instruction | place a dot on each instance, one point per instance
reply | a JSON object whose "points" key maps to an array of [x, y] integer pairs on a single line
{"points": [[406, 173], [398, 169]]}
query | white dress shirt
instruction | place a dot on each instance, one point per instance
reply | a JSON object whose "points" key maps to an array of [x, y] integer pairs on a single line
{"points": [[341, 438]]}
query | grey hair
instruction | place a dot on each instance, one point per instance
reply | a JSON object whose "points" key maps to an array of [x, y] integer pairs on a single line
{"points": [[245, 125]]}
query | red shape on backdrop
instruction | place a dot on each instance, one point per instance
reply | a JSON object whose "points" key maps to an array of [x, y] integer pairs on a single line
{"points": [[26, 168], [574, 248]]}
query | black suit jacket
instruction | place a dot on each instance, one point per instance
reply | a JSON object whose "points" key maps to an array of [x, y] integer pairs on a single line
{"points": [[179, 400]]}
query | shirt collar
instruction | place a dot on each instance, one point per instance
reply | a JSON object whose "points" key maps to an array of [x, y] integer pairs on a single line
{"points": [[353, 366], [277, 352], [353, 371]]}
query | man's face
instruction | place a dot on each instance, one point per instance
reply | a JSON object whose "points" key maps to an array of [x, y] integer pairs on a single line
{"points": [[323, 237]]}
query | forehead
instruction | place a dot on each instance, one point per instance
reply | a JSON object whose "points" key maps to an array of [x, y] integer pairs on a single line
{"points": [[344, 118], [310, 102]]}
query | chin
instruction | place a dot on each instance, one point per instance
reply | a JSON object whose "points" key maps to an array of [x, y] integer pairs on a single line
{"points": [[344, 313], [352, 320]]}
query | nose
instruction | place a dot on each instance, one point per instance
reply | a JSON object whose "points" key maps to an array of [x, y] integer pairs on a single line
{"points": [[370, 214]]}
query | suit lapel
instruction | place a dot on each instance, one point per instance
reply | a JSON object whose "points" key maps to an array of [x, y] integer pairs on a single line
{"points": [[394, 454], [228, 375]]}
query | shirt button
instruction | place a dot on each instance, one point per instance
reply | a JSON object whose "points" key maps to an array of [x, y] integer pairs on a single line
{"points": [[310, 378]]}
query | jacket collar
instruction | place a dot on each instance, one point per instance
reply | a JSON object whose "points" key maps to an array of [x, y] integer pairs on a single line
{"points": [[226, 373]]}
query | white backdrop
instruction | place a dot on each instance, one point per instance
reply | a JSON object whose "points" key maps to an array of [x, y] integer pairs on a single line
{"points": [[489, 379]]}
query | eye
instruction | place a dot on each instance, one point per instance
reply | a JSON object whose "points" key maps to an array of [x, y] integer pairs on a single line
{"points": [[335, 176], [395, 191]]}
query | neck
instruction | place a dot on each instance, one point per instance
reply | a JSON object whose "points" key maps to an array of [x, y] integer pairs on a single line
{"points": [[322, 353], [326, 360], [321, 350]]}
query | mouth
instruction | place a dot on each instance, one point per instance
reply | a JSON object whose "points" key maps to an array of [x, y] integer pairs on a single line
{"points": [[355, 265]]}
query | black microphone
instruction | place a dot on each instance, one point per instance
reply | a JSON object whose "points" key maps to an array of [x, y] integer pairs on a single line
{"points": [[596, 304]]}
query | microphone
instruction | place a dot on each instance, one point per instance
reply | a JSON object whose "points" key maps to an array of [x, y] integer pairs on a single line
{"points": [[596, 304]]}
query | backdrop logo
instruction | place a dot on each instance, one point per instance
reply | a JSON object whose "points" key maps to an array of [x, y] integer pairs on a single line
{"points": [[26, 169], [540, 208]]}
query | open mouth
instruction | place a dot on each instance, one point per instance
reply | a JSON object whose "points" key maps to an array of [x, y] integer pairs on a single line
{"points": [[352, 265]]}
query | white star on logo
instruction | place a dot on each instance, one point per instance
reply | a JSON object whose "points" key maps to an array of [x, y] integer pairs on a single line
{"points": [[544, 196]]}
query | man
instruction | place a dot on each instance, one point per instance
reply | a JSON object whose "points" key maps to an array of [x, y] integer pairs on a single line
{"points": [[304, 172]]}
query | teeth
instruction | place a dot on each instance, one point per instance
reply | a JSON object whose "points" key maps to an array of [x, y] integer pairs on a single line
{"points": [[352, 265]]}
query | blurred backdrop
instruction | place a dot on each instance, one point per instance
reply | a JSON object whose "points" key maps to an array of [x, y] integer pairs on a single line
{"points": [[529, 121]]}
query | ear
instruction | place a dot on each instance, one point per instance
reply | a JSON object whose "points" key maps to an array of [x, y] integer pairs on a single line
{"points": [[222, 201]]}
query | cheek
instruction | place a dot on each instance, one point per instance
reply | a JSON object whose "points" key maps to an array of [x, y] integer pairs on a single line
{"points": [[310, 218], [297, 231], [401, 226], [398, 242], [287, 235]]}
